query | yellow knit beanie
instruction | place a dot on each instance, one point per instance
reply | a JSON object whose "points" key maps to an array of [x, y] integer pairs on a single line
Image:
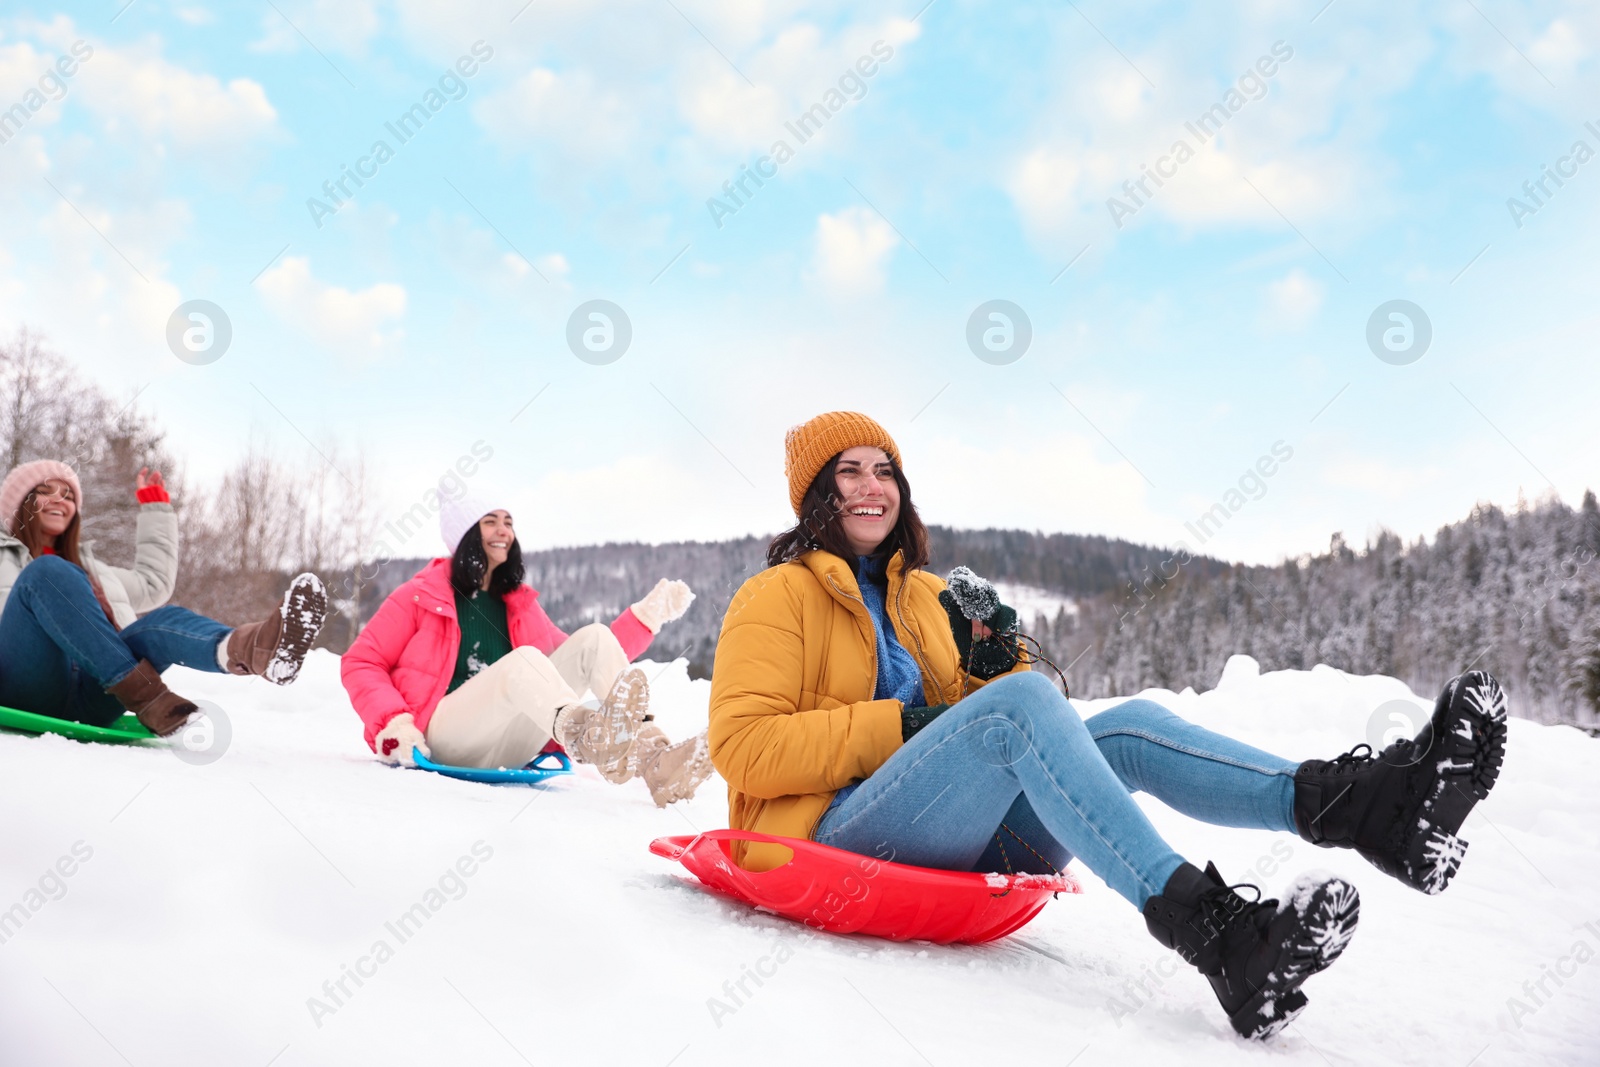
{"points": [[808, 446]]}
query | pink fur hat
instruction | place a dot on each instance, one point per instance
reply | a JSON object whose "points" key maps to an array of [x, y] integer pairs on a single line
{"points": [[24, 478]]}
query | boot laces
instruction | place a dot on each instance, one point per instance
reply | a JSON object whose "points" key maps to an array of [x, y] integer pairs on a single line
{"points": [[1221, 908], [1353, 761]]}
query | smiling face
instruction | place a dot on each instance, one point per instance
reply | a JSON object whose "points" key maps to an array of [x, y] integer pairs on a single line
{"points": [[51, 506], [869, 495], [497, 534]]}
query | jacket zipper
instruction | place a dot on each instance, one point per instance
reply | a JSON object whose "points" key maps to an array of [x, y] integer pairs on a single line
{"points": [[874, 650]]}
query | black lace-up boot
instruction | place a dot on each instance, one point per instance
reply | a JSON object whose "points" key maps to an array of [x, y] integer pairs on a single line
{"points": [[1402, 807], [1257, 953]]}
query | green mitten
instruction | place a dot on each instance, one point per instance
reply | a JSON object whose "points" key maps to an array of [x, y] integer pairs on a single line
{"points": [[960, 625], [995, 654], [914, 719]]}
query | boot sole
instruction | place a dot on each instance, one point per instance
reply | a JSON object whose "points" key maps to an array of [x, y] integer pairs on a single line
{"points": [[1468, 748], [303, 611], [1327, 917]]}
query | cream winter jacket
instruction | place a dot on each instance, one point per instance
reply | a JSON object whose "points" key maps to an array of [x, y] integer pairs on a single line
{"points": [[132, 592]]}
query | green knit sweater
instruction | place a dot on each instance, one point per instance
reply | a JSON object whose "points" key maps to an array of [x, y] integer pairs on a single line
{"points": [[484, 634]]}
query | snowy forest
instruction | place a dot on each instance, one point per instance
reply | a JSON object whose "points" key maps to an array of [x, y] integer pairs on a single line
{"points": [[1515, 591]]}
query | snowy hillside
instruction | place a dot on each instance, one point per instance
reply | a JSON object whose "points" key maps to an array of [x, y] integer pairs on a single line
{"points": [[1031, 602], [213, 911]]}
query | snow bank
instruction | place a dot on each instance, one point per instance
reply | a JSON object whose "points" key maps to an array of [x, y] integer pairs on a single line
{"points": [[213, 912]]}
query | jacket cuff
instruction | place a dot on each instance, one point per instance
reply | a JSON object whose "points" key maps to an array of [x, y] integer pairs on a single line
{"points": [[632, 634], [882, 734]]}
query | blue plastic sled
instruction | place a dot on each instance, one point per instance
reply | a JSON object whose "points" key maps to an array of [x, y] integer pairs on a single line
{"points": [[528, 775]]}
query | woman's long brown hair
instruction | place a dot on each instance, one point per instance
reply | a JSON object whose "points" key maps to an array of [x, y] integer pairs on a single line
{"points": [[26, 524], [819, 525]]}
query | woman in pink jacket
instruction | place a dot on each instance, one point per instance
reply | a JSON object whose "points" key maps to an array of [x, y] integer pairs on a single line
{"points": [[462, 664]]}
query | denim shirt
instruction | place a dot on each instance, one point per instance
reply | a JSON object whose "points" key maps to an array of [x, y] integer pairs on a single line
{"points": [[899, 677]]}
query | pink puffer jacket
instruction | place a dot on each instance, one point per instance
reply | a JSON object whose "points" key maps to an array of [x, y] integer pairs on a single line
{"points": [[406, 656]]}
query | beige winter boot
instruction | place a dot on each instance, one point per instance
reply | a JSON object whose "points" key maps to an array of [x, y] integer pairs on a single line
{"points": [[674, 772], [605, 737], [649, 742]]}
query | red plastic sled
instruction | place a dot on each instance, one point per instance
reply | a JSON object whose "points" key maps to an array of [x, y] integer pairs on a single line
{"points": [[848, 893]]}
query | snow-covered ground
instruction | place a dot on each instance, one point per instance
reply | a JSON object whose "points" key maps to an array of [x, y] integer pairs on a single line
{"points": [[211, 908]]}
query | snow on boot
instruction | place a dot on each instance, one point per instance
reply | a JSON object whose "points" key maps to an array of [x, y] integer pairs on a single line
{"points": [[143, 692], [604, 737], [276, 646], [1256, 954], [1401, 808], [674, 772]]}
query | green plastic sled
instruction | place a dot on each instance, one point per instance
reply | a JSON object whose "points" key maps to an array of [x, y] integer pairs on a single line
{"points": [[125, 730]]}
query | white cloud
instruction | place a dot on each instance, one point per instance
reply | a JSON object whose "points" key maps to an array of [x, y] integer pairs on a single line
{"points": [[195, 110], [1294, 299], [552, 266], [1559, 50], [1104, 134], [851, 250], [105, 288], [1042, 486], [21, 69], [1212, 189], [566, 109], [62, 278], [643, 500], [661, 92], [351, 322], [1055, 184], [133, 90], [344, 25]]}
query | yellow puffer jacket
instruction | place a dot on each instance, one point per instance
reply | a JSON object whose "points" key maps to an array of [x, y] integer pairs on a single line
{"points": [[792, 713]]}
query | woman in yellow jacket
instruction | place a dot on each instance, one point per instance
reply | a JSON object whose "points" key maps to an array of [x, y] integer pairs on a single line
{"points": [[858, 702]]}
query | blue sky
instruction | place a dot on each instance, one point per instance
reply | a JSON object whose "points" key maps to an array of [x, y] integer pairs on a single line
{"points": [[1225, 315]]}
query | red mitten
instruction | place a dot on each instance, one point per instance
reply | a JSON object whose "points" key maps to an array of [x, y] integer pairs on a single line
{"points": [[153, 494]]}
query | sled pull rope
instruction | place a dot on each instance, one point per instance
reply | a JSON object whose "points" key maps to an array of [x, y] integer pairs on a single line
{"points": [[1007, 859], [1035, 651], [1026, 644]]}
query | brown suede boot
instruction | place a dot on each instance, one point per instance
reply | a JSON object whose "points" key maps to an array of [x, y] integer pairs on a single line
{"points": [[144, 693], [276, 646], [674, 772]]}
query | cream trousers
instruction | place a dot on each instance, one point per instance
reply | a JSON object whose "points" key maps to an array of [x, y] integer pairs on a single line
{"points": [[503, 715]]}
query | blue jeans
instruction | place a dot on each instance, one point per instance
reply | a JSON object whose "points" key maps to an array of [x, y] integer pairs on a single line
{"points": [[1012, 777], [58, 652]]}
